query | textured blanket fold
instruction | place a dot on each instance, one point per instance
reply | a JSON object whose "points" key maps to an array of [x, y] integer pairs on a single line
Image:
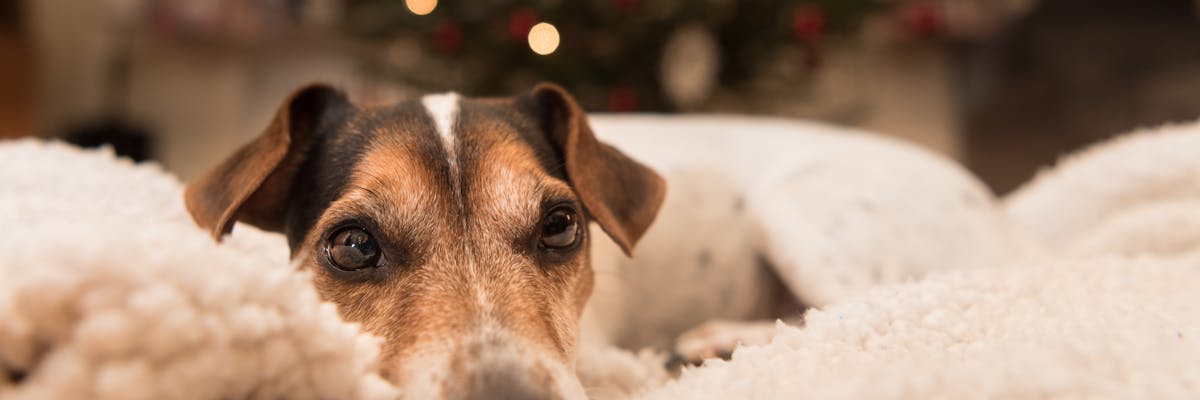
{"points": [[1107, 308]]}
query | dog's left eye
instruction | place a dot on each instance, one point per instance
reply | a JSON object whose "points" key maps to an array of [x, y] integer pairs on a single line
{"points": [[560, 229], [352, 248]]}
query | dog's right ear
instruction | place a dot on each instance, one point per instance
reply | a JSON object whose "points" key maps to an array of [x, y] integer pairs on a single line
{"points": [[622, 195], [253, 184]]}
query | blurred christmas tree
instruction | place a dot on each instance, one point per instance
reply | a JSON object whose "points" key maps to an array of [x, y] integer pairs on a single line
{"points": [[616, 55]]}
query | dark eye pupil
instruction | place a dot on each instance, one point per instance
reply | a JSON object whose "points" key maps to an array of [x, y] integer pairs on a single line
{"points": [[353, 248], [559, 229], [557, 224]]}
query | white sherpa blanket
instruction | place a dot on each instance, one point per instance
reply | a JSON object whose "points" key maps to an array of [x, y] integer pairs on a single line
{"points": [[1109, 327], [108, 291], [1111, 309]]}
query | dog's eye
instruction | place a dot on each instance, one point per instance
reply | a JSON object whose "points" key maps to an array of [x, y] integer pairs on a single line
{"points": [[560, 228], [352, 248]]}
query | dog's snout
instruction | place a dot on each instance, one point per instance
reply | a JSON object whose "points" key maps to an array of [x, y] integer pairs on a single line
{"points": [[506, 382], [502, 369]]}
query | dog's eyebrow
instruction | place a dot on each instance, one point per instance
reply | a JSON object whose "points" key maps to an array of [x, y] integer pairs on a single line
{"points": [[360, 181], [357, 199], [550, 185], [366, 190], [554, 191]]}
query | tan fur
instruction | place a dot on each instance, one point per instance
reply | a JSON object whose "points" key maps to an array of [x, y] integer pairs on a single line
{"points": [[467, 277], [466, 296], [250, 185]]}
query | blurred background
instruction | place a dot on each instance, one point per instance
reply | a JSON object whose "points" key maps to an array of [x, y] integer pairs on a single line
{"points": [[1004, 86]]}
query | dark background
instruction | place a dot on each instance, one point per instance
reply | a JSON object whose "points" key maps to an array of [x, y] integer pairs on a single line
{"points": [[1006, 86]]}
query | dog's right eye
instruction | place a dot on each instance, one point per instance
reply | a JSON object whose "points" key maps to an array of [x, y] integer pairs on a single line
{"points": [[560, 229], [352, 248]]}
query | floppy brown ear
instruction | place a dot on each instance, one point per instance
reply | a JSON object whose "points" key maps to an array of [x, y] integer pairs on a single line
{"points": [[253, 184], [620, 194]]}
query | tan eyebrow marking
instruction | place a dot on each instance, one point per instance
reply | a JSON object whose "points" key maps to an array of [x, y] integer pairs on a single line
{"points": [[514, 188], [391, 186]]}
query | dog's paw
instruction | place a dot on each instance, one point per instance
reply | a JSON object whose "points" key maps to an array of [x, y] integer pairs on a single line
{"points": [[718, 338]]}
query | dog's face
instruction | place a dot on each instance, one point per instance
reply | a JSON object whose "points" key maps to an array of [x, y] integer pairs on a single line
{"points": [[456, 229]]}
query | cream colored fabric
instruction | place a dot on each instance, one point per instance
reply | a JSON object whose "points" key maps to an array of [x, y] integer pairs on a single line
{"points": [[1107, 309], [109, 291]]}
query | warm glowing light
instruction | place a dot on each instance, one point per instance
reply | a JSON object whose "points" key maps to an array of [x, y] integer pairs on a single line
{"points": [[421, 7], [543, 38]]}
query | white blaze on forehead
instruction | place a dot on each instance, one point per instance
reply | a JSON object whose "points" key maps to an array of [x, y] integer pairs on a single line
{"points": [[443, 108]]}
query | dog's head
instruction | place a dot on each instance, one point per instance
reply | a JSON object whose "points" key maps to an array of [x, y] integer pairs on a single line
{"points": [[454, 228]]}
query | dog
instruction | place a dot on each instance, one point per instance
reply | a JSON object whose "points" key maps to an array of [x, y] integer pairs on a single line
{"points": [[470, 234]]}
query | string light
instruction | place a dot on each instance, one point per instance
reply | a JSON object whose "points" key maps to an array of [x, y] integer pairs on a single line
{"points": [[421, 7], [543, 38]]}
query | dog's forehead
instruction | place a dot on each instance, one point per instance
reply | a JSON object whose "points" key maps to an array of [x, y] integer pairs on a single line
{"points": [[450, 128], [447, 155], [423, 147]]}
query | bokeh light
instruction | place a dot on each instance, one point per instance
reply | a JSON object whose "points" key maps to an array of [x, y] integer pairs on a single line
{"points": [[543, 38], [421, 7]]}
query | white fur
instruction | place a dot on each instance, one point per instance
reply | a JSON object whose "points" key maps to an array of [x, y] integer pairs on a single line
{"points": [[1108, 310], [443, 109], [833, 210]]}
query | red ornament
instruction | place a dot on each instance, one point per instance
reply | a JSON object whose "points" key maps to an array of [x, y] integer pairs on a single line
{"points": [[808, 22], [622, 99], [520, 22], [448, 37], [923, 18], [627, 6]]}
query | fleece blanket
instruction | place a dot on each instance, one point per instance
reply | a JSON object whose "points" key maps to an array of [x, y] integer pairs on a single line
{"points": [[1107, 309], [108, 291], [1107, 327]]}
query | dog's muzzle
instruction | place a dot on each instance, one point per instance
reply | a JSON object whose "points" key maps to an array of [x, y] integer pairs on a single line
{"points": [[494, 367]]}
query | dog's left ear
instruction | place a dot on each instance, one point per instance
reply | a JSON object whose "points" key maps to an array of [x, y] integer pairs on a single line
{"points": [[253, 184], [621, 194]]}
